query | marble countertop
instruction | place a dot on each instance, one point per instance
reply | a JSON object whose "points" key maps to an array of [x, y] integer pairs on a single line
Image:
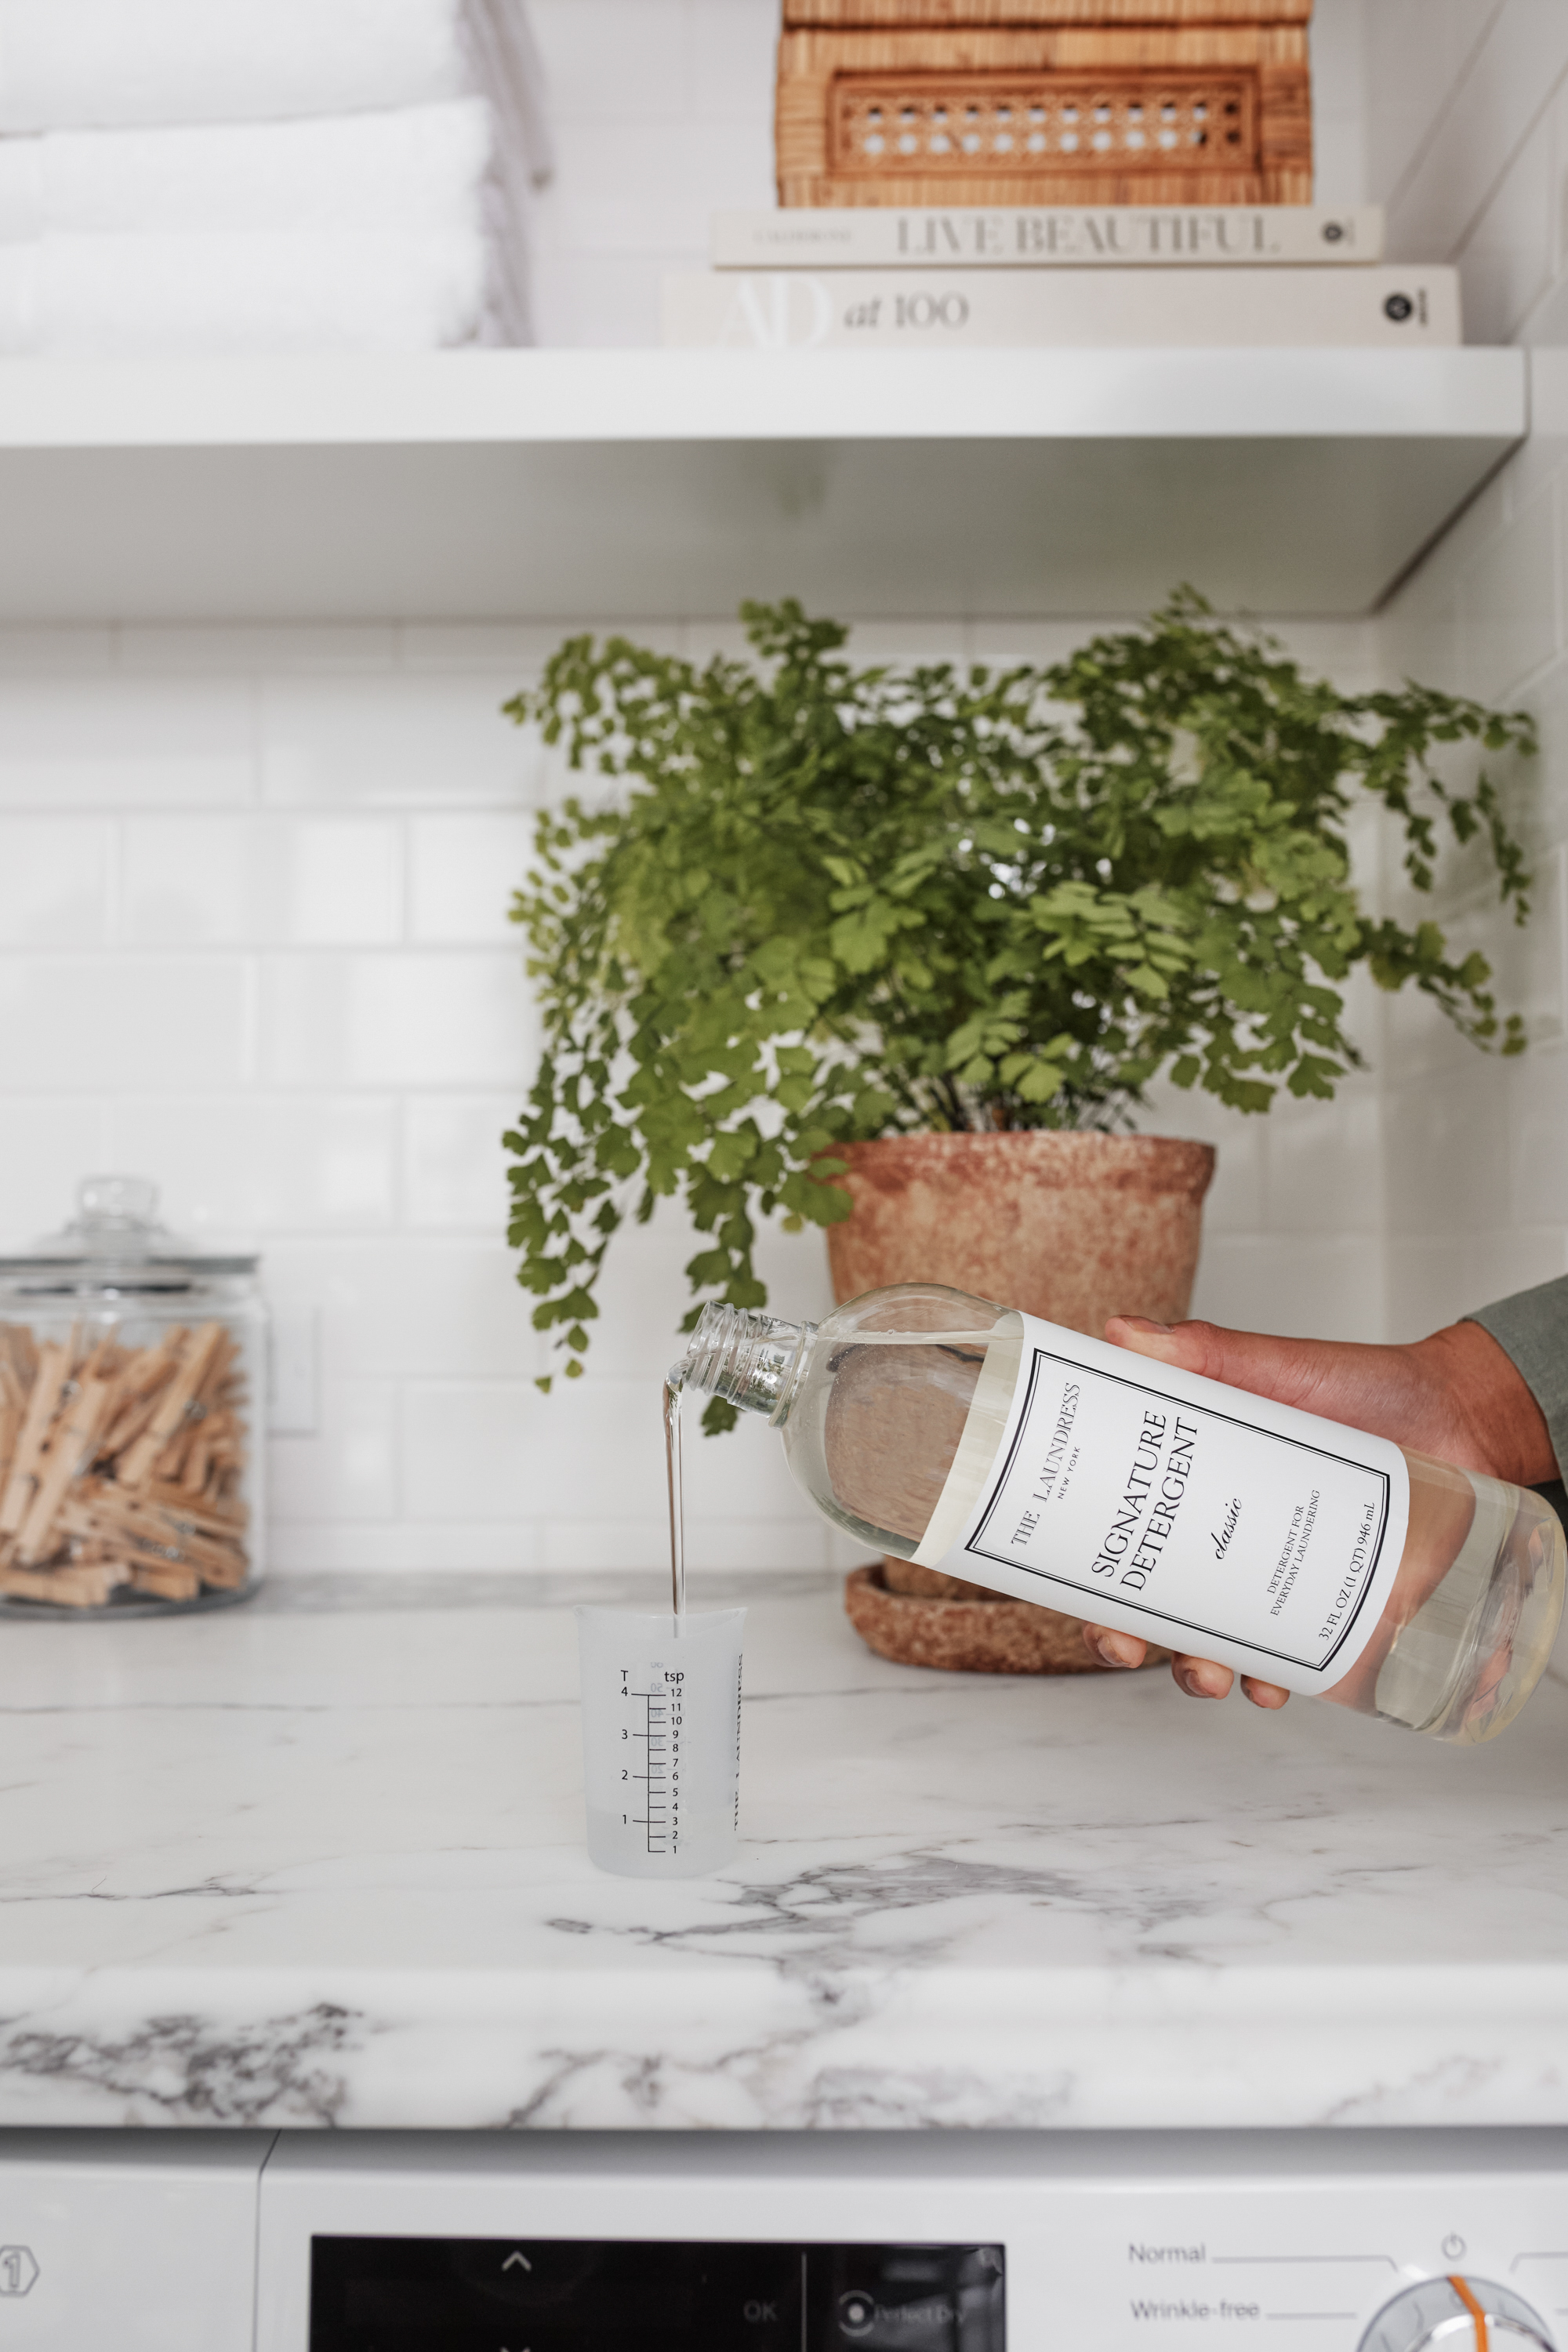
{"points": [[319, 1862]]}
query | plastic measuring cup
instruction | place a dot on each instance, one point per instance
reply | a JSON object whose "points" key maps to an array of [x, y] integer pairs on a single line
{"points": [[661, 1739]]}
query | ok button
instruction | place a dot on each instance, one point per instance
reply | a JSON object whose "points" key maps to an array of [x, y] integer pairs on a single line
{"points": [[760, 2313]]}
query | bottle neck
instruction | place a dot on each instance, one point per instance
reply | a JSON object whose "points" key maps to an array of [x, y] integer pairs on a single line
{"points": [[748, 1360]]}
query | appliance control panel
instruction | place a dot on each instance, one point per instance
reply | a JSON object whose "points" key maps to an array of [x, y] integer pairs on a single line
{"points": [[586, 2294], [679, 2241]]}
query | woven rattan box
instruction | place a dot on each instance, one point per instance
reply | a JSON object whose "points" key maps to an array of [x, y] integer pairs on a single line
{"points": [[1044, 102]]}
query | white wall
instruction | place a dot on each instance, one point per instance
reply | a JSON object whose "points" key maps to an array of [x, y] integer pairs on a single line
{"points": [[1470, 98], [663, 110], [253, 942]]}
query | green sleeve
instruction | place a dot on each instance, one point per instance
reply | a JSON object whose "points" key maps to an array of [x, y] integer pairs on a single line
{"points": [[1532, 1328]]}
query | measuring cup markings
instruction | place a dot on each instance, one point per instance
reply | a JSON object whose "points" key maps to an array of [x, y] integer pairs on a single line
{"points": [[663, 1721], [661, 1739]]}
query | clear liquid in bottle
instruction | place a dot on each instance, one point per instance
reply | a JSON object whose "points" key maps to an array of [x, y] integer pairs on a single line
{"points": [[893, 1413]]}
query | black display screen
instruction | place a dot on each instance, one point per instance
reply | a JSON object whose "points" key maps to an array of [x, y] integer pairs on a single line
{"points": [[502, 2295]]}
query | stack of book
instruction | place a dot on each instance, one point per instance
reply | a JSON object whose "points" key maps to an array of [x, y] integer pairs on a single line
{"points": [[1134, 274]]}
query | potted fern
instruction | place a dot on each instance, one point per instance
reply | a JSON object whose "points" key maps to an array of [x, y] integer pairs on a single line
{"points": [[900, 953]]}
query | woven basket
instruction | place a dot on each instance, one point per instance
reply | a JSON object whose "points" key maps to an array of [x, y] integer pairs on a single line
{"points": [[1050, 103], [850, 15]]}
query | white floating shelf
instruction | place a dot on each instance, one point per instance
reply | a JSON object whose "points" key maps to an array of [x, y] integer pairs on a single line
{"points": [[473, 484]]}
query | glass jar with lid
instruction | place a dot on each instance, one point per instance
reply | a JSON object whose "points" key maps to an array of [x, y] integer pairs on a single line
{"points": [[133, 1380]]}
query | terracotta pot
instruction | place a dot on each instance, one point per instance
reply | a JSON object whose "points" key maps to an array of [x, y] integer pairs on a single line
{"points": [[980, 1636], [1071, 1227]]}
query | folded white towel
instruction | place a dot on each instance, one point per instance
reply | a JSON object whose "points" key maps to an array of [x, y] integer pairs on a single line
{"points": [[76, 63], [78, 295], [415, 171]]}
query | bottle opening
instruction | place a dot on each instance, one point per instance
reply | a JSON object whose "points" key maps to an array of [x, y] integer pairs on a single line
{"points": [[748, 1360]]}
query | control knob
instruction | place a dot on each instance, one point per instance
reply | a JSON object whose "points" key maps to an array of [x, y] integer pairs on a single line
{"points": [[1458, 2314]]}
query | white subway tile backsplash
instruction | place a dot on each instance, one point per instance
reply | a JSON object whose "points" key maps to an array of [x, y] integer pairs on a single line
{"points": [[1512, 1257], [1537, 1145], [514, 650], [602, 301], [1432, 1282], [650, 187], [727, 1547], [260, 1164], [122, 1023], [1316, 1287], [1506, 263], [1415, 50], [732, 46], [125, 742], [1509, 602], [643, 1295], [1339, 158], [410, 741], [235, 651], [55, 878], [1325, 1164], [1509, 81], [485, 1452], [350, 1470], [999, 644], [1234, 1203], [908, 643], [620, 61], [454, 1169], [62, 651], [412, 1309], [741, 1477], [305, 881], [436, 1019], [594, 1451], [1530, 967], [1546, 326], [48, 1144], [394, 1547], [462, 872], [1448, 1152], [1545, 453]]}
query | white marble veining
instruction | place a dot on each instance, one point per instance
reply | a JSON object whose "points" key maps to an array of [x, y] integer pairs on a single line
{"points": [[319, 1862]]}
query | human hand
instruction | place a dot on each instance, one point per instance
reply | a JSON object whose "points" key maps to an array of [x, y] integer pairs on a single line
{"points": [[1456, 1395]]}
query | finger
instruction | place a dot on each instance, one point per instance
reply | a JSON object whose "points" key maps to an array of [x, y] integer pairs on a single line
{"points": [[1201, 1677], [1114, 1649], [1269, 1695]]}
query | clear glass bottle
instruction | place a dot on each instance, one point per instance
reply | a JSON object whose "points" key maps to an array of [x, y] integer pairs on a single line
{"points": [[895, 1410], [132, 1375]]}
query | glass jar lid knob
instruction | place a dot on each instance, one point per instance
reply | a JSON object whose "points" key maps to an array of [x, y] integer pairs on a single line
{"points": [[117, 1212]]}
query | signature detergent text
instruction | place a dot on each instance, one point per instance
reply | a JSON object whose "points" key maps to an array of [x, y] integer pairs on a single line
{"points": [[1153, 1492]]}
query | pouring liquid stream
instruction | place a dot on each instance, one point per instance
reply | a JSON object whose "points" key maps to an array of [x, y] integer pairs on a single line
{"points": [[673, 1467], [674, 1392]]}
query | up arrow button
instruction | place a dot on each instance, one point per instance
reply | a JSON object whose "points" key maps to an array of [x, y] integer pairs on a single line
{"points": [[516, 2261]]}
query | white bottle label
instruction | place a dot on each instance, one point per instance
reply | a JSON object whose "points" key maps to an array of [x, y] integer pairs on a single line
{"points": [[1189, 1513]]}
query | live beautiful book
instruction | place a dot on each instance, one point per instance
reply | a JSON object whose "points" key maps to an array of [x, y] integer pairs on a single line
{"points": [[974, 236]]}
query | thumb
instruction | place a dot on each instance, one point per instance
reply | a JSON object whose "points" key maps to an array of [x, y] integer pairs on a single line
{"points": [[1288, 1370]]}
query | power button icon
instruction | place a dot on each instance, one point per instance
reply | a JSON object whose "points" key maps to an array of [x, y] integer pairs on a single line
{"points": [[856, 2312]]}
